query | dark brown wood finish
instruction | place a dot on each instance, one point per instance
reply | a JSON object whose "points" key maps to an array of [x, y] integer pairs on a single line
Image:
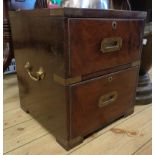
{"points": [[84, 13], [52, 40], [86, 36], [41, 46], [86, 115], [97, 13]]}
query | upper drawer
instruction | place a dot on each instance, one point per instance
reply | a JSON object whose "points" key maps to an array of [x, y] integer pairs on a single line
{"points": [[98, 44]]}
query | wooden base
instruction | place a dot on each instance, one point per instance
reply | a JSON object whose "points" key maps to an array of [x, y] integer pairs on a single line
{"points": [[129, 112], [70, 143], [76, 141]]}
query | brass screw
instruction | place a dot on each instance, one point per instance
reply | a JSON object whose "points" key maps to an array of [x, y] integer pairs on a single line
{"points": [[110, 78]]}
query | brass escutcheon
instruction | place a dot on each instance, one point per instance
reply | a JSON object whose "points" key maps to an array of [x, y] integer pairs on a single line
{"points": [[114, 25]]}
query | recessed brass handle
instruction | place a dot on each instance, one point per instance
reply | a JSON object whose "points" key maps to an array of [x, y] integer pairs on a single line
{"points": [[39, 74], [107, 99], [111, 44]]}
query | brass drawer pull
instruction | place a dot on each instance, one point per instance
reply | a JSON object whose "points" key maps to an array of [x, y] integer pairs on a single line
{"points": [[111, 44], [107, 99], [39, 74]]}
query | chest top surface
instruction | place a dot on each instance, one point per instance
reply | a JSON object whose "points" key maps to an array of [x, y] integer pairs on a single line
{"points": [[84, 13]]}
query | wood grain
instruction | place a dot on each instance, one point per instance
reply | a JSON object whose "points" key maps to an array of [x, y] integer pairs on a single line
{"points": [[86, 115], [21, 134], [14, 117], [71, 47], [48, 144], [120, 144], [86, 36], [145, 150], [29, 137]]}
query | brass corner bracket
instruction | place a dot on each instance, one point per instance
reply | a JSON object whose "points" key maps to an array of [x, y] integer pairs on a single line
{"points": [[68, 81], [135, 63]]}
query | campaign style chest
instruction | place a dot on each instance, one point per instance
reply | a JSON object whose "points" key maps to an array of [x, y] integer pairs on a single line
{"points": [[77, 69]]}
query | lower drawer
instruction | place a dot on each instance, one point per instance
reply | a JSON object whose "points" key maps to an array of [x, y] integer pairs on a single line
{"points": [[96, 102]]}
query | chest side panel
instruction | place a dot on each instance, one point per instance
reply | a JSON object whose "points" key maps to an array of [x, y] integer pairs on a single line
{"points": [[40, 41]]}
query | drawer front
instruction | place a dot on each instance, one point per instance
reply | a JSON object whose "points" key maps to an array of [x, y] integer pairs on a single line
{"points": [[97, 102], [96, 45]]}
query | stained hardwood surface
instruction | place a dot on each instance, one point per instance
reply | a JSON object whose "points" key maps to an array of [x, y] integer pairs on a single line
{"points": [[87, 115], [24, 135], [87, 35]]}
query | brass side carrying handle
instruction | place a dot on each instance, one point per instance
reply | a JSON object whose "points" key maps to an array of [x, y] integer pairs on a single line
{"points": [[39, 74], [107, 99], [111, 44]]}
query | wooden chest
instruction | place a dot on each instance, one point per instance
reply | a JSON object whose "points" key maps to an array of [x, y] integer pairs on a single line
{"points": [[77, 68]]}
